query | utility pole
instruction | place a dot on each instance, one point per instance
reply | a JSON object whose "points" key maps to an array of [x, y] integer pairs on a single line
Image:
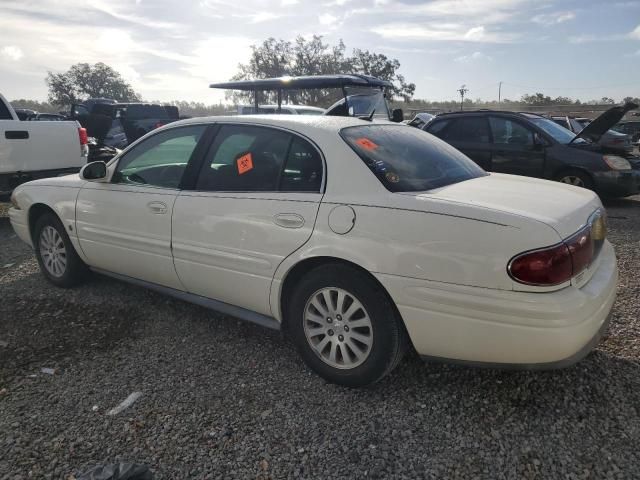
{"points": [[462, 90], [499, 92]]}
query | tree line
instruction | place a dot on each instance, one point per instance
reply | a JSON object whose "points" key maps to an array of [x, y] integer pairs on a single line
{"points": [[274, 58]]}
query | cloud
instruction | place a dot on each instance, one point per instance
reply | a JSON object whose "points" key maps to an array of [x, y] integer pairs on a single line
{"points": [[555, 18], [11, 52], [441, 32], [590, 38], [635, 33], [327, 19], [473, 57], [262, 17]]}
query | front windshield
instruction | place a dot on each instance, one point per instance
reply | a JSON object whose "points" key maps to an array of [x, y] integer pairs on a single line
{"points": [[406, 159], [560, 134]]}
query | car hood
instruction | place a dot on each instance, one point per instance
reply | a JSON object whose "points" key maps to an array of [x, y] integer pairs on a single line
{"points": [[72, 180], [564, 208], [604, 122]]}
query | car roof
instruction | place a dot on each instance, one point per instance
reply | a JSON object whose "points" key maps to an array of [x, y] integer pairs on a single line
{"points": [[485, 111], [293, 122]]}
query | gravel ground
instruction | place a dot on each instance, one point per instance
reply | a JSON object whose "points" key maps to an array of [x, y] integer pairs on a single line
{"points": [[226, 399]]}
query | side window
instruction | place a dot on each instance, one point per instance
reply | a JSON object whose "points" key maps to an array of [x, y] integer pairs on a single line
{"points": [[303, 170], [160, 160], [508, 132], [468, 129], [4, 112], [244, 158], [436, 127]]}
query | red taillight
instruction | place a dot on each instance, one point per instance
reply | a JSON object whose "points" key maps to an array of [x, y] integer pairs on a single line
{"points": [[581, 249], [158, 125], [557, 264], [82, 133], [548, 266]]}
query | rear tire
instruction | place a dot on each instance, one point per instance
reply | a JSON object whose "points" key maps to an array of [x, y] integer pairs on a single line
{"points": [[58, 260], [576, 178], [345, 327]]}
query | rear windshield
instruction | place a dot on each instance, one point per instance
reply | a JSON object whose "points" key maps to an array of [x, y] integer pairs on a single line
{"points": [[146, 111], [406, 159]]}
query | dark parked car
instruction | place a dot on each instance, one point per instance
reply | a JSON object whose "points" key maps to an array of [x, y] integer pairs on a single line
{"points": [[24, 113], [47, 117], [130, 121], [535, 146], [611, 138], [631, 128]]}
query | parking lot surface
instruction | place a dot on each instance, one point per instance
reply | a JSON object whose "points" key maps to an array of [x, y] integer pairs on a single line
{"points": [[225, 399]]}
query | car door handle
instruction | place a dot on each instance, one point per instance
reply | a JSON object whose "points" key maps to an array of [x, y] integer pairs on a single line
{"points": [[157, 207], [16, 135], [289, 220]]}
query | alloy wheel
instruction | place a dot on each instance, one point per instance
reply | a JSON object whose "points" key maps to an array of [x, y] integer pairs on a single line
{"points": [[53, 251], [338, 328], [573, 180]]}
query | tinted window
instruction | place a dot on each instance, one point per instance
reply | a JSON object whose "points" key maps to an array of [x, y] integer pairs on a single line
{"points": [[560, 121], [161, 159], [468, 129], [4, 112], [508, 132], [146, 111], [560, 134], [436, 127], [244, 159], [406, 159], [303, 170]]}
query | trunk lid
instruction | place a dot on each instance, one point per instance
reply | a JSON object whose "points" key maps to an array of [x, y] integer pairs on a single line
{"points": [[604, 122], [563, 207]]}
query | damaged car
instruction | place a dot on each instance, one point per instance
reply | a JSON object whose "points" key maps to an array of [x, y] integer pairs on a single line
{"points": [[535, 146]]}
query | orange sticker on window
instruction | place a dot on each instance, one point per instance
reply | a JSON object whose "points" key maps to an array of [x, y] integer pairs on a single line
{"points": [[244, 163], [366, 143]]}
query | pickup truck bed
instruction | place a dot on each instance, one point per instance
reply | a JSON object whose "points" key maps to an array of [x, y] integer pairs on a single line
{"points": [[31, 150]]}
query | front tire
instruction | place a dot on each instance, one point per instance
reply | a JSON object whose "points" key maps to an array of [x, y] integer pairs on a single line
{"points": [[345, 327], [576, 178], [58, 260]]}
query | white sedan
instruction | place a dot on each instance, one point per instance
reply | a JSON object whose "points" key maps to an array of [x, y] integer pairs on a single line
{"points": [[357, 239]]}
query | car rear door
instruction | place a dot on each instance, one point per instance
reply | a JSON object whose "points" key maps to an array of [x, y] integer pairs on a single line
{"points": [[514, 149], [253, 203], [124, 226], [470, 135]]}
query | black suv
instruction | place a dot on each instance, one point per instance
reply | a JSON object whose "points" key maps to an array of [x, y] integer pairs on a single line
{"points": [[535, 146]]}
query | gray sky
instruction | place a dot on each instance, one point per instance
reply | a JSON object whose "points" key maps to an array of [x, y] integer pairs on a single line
{"points": [[172, 49]]}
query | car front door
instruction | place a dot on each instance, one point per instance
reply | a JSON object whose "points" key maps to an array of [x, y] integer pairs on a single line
{"points": [[515, 149], [254, 202], [470, 135], [124, 226]]}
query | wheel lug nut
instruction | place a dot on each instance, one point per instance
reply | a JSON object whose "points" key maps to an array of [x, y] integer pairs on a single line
{"points": [[340, 337], [339, 317], [329, 319], [330, 332], [346, 328]]}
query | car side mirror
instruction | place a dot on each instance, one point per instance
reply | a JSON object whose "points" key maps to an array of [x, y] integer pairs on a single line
{"points": [[94, 171], [397, 115]]}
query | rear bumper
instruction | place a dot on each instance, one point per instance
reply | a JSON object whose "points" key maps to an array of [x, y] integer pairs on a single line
{"points": [[617, 183], [505, 328]]}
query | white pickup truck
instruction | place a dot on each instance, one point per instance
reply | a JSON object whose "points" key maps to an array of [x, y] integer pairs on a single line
{"points": [[31, 150]]}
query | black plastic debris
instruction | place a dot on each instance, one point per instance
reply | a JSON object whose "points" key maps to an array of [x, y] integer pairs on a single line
{"points": [[122, 471]]}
